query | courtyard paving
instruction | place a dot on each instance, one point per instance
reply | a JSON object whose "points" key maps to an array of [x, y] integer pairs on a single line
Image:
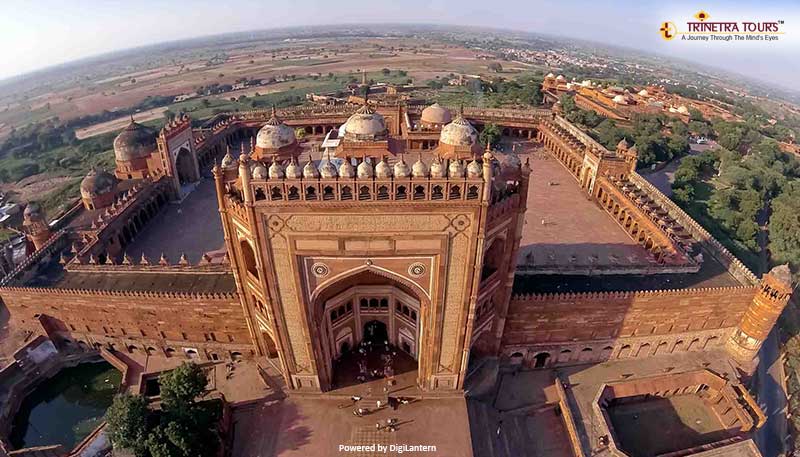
{"points": [[192, 227], [564, 227]]}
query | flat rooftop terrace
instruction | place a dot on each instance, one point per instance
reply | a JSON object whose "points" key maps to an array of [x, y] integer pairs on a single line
{"points": [[564, 227], [139, 281], [711, 274]]}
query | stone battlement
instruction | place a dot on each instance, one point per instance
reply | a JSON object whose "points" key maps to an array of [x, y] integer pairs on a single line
{"points": [[54, 292], [707, 291], [735, 266]]}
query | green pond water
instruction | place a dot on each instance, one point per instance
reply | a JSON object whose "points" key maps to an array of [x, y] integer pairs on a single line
{"points": [[66, 408]]}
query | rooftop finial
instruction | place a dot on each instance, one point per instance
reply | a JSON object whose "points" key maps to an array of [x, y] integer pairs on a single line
{"points": [[274, 112]]}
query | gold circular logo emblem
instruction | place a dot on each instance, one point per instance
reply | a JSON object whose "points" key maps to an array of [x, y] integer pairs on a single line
{"points": [[668, 30]]}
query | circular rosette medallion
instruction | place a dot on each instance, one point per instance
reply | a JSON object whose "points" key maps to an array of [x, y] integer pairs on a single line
{"points": [[320, 270], [416, 269]]}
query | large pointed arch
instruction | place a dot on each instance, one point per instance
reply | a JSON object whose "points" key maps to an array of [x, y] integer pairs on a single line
{"points": [[386, 273]]}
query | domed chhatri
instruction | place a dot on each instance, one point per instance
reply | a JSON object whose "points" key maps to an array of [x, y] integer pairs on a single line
{"points": [[435, 116], [458, 139], [364, 170], [260, 171], [132, 147], [437, 168], [401, 169], [365, 125], [293, 170], [346, 169], [383, 170], [98, 189], [327, 170], [275, 139], [419, 169]]}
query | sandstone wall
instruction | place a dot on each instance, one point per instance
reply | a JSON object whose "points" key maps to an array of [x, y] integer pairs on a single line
{"points": [[129, 321], [601, 326]]}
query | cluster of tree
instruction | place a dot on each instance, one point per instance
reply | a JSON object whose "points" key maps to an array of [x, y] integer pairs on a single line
{"points": [[747, 187], [520, 91], [689, 173], [183, 427], [490, 134]]}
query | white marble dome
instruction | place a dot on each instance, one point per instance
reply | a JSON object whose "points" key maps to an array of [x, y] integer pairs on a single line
{"points": [[259, 171], [364, 170], [365, 125], [293, 170], [401, 169], [459, 133], [437, 168], [383, 170], [436, 114], [275, 134]]}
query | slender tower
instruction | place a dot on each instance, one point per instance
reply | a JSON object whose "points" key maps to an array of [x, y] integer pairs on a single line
{"points": [[35, 225], [772, 296]]}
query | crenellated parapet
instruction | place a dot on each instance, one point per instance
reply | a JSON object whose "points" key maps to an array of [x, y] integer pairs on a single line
{"points": [[441, 182], [735, 266], [48, 291], [56, 242], [615, 295]]}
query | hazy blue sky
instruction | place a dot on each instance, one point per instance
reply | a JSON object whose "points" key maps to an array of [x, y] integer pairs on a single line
{"points": [[39, 33]]}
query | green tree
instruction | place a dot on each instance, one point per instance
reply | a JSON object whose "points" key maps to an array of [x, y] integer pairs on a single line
{"points": [[784, 226], [127, 423], [490, 134], [181, 386]]}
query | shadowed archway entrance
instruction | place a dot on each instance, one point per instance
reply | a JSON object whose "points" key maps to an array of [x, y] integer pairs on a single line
{"points": [[370, 328]]}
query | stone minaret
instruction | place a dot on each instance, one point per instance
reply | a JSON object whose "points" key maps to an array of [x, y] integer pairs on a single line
{"points": [[35, 225], [773, 293]]}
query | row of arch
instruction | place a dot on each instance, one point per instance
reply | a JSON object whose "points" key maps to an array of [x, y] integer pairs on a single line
{"points": [[166, 351], [367, 192], [629, 223], [519, 133], [123, 236], [587, 354], [562, 152]]}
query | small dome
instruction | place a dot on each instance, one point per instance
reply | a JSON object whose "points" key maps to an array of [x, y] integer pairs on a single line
{"points": [[455, 170], [275, 170], [401, 169], [260, 171], [437, 168], [275, 134], [419, 169], [643, 93], [293, 169], [383, 170], [682, 109], [346, 169], [550, 76], [365, 125], [623, 144], [364, 170], [97, 183], [310, 171], [561, 78], [459, 133], [474, 169], [135, 142], [326, 169], [619, 99], [33, 211], [436, 114], [228, 162]]}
